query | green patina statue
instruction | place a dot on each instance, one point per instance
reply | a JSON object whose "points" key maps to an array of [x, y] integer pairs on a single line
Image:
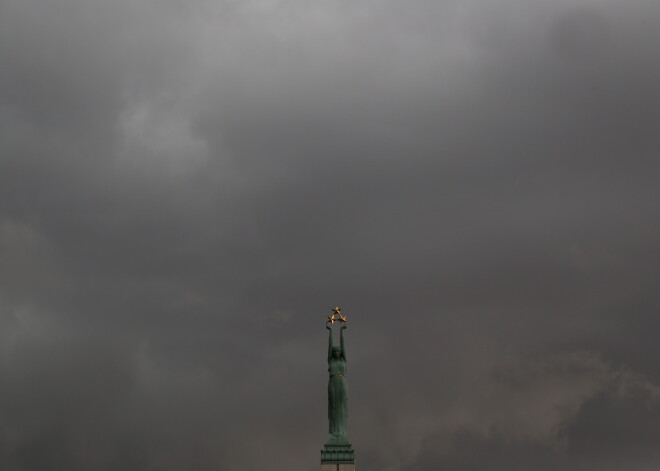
{"points": [[337, 449], [337, 390]]}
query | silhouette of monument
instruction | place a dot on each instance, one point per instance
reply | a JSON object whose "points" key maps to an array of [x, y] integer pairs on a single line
{"points": [[337, 453]]}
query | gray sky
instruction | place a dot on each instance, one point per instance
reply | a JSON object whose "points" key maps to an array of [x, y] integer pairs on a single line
{"points": [[187, 188]]}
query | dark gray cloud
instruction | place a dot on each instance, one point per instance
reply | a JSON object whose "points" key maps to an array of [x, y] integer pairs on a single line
{"points": [[186, 187]]}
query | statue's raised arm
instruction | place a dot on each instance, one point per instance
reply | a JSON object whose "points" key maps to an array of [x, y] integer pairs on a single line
{"points": [[329, 341], [341, 342]]}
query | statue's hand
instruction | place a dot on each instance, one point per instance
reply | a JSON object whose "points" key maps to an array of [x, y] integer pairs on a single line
{"points": [[343, 326], [327, 326]]}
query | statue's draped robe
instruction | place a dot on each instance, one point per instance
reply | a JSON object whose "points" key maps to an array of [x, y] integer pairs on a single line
{"points": [[337, 397]]}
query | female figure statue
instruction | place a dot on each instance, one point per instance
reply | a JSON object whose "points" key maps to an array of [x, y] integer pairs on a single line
{"points": [[337, 390]]}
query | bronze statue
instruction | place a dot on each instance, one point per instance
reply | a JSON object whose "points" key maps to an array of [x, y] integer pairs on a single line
{"points": [[337, 450], [337, 388]]}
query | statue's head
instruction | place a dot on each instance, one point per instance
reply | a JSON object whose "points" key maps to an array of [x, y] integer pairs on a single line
{"points": [[336, 352]]}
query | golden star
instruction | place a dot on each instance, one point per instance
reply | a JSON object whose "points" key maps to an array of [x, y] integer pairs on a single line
{"points": [[342, 319], [336, 310], [331, 319]]}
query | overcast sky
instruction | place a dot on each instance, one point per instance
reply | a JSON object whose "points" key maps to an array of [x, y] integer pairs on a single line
{"points": [[188, 187]]}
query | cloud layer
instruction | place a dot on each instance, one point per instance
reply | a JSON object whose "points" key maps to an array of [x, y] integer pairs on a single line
{"points": [[187, 187]]}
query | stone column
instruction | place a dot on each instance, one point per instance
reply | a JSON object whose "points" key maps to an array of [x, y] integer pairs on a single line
{"points": [[337, 466]]}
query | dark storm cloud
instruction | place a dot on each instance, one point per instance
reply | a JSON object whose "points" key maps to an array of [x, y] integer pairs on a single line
{"points": [[186, 186]]}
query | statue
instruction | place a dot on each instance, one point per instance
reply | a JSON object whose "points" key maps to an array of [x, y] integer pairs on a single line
{"points": [[337, 388], [337, 449]]}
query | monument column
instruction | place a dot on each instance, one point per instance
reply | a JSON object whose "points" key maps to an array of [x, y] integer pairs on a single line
{"points": [[337, 454]]}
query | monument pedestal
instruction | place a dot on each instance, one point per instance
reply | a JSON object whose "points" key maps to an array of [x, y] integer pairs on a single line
{"points": [[338, 455]]}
